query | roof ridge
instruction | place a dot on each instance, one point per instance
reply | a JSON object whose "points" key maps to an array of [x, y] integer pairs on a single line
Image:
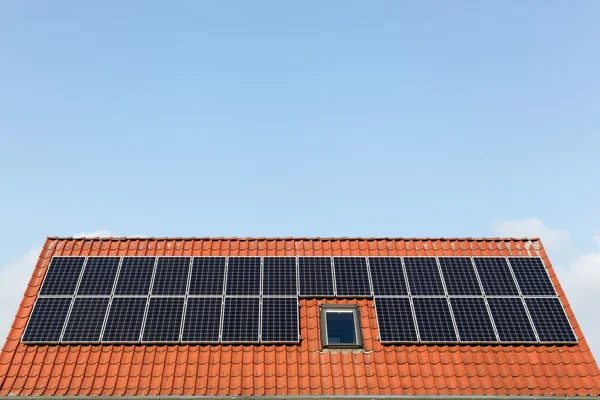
{"points": [[466, 238]]}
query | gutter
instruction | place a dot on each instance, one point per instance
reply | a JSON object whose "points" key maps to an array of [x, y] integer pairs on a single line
{"points": [[324, 397]]}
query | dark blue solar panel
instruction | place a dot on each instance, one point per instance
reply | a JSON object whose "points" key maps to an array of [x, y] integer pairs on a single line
{"points": [[550, 320], [434, 320], [125, 318], [472, 320], [395, 320], [532, 276], [202, 319], [280, 320], [316, 277], [135, 276], [208, 275], [279, 276], [171, 276], [387, 276], [47, 320], [495, 276], [241, 320], [459, 276], [62, 276], [86, 320], [423, 276], [351, 277], [243, 276], [163, 322], [511, 320], [99, 276]]}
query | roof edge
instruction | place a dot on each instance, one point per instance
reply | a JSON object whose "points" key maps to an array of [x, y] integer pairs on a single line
{"points": [[473, 239], [317, 397]]}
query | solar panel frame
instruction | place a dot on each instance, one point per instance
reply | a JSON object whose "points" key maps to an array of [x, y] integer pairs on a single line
{"points": [[505, 322], [532, 280], [291, 332], [171, 276], [55, 309], [191, 303], [380, 311], [453, 279], [230, 338], [462, 324], [388, 279], [202, 281], [88, 315], [65, 288], [451, 332], [239, 268], [157, 318], [417, 275], [545, 327], [128, 320], [276, 273], [310, 274], [496, 280], [341, 278], [95, 280], [129, 282]]}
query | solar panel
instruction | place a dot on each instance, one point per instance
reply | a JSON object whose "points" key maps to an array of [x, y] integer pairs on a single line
{"points": [[472, 319], [351, 276], [459, 276], [279, 276], [387, 276], [135, 276], [62, 276], [240, 319], [243, 276], [125, 319], [202, 319], [280, 320], [434, 320], [86, 320], [495, 276], [316, 278], [423, 276], [47, 320], [531, 276], [99, 276], [171, 276], [550, 320], [395, 319], [511, 320], [163, 321], [208, 275]]}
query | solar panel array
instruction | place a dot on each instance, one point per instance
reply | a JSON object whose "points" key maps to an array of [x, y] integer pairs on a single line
{"points": [[255, 299]]}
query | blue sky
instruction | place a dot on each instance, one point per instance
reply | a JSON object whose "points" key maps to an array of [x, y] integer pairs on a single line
{"points": [[313, 119]]}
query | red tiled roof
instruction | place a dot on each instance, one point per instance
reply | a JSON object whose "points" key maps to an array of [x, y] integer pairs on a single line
{"points": [[304, 369]]}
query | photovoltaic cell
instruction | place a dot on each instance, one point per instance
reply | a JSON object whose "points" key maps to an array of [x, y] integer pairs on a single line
{"points": [[434, 320], [125, 318], [531, 276], [99, 276], [47, 320], [395, 320], [316, 278], [86, 320], [243, 276], [62, 276], [459, 276], [423, 276], [241, 319], [280, 320], [550, 320], [202, 319], [495, 276], [208, 275], [171, 276], [472, 320], [135, 276], [163, 321], [511, 320], [387, 276], [351, 276], [279, 276]]}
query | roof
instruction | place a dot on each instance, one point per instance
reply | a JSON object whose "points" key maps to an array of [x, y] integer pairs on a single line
{"points": [[290, 370]]}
